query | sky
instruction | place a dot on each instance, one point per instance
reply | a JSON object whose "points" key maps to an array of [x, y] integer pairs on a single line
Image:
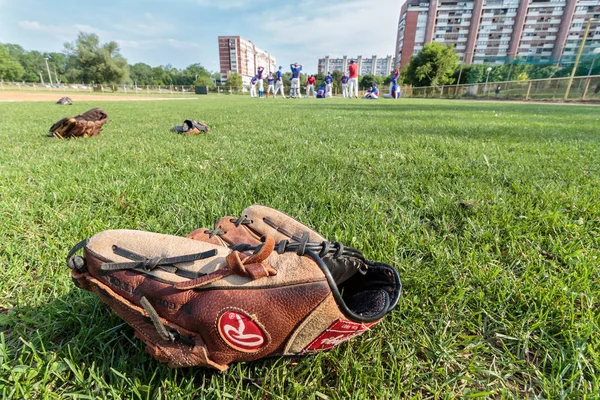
{"points": [[184, 32]]}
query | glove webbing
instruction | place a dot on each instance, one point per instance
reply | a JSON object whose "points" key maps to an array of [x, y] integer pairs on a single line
{"points": [[164, 263]]}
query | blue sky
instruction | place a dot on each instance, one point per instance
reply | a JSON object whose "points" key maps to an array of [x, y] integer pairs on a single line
{"points": [[183, 32]]}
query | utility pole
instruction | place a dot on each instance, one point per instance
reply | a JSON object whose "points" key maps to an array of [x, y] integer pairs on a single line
{"points": [[585, 34], [48, 68]]}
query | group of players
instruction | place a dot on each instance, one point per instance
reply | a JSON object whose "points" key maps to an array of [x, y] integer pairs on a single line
{"points": [[349, 84]]}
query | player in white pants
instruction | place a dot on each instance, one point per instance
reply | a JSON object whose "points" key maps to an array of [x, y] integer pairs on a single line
{"points": [[253, 86], [279, 83], [310, 86], [259, 76], [295, 90], [345, 85], [328, 85], [270, 82], [353, 81]]}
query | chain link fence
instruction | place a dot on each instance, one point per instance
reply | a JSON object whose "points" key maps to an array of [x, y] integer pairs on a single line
{"points": [[583, 88], [85, 88]]}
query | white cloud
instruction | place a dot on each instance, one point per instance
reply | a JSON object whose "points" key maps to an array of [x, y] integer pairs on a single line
{"points": [[223, 4], [313, 30], [156, 44], [147, 25], [65, 32]]}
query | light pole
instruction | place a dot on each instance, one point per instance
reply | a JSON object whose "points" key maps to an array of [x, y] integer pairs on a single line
{"points": [[595, 53], [587, 29], [489, 69], [48, 68]]}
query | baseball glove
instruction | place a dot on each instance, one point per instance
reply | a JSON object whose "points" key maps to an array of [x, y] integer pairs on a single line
{"points": [[198, 303], [192, 127], [88, 124], [65, 101]]}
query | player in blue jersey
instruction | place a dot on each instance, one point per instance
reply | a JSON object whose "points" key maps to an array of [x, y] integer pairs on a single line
{"points": [[270, 83], [259, 76], [321, 91], [395, 91], [345, 80], [372, 93], [253, 86], [295, 90], [279, 83], [328, 85], [394, 80]]}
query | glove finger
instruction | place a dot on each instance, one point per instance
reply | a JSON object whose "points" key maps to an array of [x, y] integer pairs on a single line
{"points": [[266, 221], [225, 232]]}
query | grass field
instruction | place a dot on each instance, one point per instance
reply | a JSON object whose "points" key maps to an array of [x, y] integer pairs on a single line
{"points": [[489, 211]]}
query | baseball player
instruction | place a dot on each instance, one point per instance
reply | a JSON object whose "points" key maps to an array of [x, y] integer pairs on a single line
{"points": [[295, 90], [353, 81], [395, 91], [345, 85], [270, 84], [279, 83], [253, 86], [321, 91], [259, 76], [329, 84], [310, 86], [372, 93], [394, 80]]}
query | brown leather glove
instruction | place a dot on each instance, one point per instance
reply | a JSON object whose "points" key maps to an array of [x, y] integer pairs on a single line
{"points": [[196, 303], [88, 124], [259, 221], [191, 127]]}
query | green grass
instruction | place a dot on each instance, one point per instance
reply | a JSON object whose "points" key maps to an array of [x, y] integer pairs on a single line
{"points": [[489, 211]]}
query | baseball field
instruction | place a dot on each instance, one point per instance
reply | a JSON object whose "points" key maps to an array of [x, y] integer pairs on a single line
{"points": [[489, 211]]}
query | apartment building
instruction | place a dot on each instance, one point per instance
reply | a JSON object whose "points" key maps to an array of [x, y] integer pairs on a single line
{"points": [[240, 55], [496, 31], [372, 65]]}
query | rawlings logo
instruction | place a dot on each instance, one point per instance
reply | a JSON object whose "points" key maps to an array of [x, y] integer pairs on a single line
{"points": [[240, 332], [340, 331]]}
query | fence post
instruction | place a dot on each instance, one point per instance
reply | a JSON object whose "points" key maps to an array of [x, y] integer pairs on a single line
{"points": [[587, 85], [442, 92], [528, 91]]}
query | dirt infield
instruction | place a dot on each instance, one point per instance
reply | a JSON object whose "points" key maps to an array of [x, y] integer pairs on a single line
{"points": [[28, 96]]}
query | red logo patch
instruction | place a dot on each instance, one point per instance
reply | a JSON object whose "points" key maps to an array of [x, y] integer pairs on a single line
{"points": [[240, 332], [340, 331]]}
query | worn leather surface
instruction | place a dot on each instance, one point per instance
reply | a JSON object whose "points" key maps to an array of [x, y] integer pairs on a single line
{"points": [[278, 309], [87, 124], [231, 233]]}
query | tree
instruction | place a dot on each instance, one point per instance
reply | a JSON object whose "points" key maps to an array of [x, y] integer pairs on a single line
{"points": [[234, 80], [140, 74], [160, 76], [367, 80], [337, 81], [204, 80], [432, 66], [95, 62], [10, 69], [195, 72], [543, 71]]}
